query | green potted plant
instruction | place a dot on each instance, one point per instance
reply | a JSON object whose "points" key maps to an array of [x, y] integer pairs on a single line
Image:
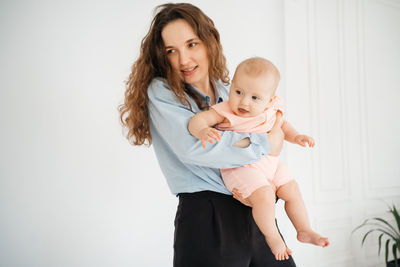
{"points": [[389, 236]]}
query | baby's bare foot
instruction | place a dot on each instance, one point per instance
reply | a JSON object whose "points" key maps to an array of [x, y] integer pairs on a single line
{"points": [[278, 248], [312, 238]]}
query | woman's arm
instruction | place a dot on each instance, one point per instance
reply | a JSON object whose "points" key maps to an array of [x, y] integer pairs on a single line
{"points": [[170, 119]]}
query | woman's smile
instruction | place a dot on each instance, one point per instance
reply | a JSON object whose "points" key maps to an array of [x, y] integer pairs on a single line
{"points": [[189, 71]]}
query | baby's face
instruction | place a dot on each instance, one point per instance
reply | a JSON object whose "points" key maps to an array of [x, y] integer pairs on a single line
{"points": [[249, 96]]}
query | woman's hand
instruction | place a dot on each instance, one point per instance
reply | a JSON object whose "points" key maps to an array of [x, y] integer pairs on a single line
{"points": [[238, 196], [276, 136]]}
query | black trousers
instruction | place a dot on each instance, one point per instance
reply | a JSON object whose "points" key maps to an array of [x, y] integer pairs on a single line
{"points": [[215, 230]]}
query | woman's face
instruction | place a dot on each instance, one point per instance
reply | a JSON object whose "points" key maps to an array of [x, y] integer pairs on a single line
{"points": [[186, 53]]}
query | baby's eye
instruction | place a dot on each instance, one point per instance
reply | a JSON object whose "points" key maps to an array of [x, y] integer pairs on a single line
{"points": [[169, 51], [254, 97], [239, 92]]}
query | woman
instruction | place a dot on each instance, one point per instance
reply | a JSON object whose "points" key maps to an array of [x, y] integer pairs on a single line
{"points": [[181, 71]]}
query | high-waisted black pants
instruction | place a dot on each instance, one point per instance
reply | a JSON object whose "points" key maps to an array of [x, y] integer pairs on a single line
{"points": [[215, 230]]}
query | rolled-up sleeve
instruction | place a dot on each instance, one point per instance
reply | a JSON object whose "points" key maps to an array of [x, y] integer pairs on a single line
{"points": [[170, 119]]}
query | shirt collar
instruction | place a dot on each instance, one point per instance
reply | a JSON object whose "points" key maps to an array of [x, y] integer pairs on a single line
{"points": [[206, 98], [218, 96]]}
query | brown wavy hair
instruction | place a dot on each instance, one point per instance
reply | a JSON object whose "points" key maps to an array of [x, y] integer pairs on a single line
{"points": [[152, 62]]}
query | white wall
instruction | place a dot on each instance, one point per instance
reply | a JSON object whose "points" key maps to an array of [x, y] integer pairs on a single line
{"points": [[73, 192], [342, 63]]}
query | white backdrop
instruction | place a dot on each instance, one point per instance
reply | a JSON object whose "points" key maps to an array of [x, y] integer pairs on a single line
{"points": [[73, 192]]}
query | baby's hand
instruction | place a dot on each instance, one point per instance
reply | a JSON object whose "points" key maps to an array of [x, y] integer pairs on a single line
{"points": [[208, 134], [303, 140]]}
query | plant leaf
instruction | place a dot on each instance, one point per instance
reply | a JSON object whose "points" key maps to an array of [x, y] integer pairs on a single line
{"points": [[380, 229], [377, 225], [391, 228], [387, 250], [361, 225], [389, 234], [396, 215], [380, 241], [382, 226], [369, 222], [365, 236], [394, 248], [398, 244]]}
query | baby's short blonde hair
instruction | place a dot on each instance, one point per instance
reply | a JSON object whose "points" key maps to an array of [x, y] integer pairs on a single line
{"points": [[256, 66]]}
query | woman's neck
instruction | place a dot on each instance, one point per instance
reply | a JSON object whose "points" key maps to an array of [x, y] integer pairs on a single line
{"points": [[204, 87], [207, 89]]}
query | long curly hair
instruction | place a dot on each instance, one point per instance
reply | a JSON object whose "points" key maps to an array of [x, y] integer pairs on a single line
{"points": [[152, 62]]}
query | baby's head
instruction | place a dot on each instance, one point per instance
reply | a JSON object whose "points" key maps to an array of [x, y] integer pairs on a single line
{"points": [[253, 86]]}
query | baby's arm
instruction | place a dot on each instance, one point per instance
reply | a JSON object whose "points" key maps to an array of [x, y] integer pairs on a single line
{"points": [[200, 126], [291, 135]]}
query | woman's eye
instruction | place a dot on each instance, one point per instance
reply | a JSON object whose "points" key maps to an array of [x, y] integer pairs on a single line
{"points": [[239, 92], [169, 51], [192, 44]]}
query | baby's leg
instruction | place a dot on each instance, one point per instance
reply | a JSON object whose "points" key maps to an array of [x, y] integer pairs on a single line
{"points": [[262, 201], [296, 210]]}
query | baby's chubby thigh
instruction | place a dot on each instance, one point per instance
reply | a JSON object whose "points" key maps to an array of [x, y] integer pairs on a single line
{"points": [[245, 179]]}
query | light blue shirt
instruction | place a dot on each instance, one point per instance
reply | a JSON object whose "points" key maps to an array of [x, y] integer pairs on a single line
{"points": [[186, 165]]}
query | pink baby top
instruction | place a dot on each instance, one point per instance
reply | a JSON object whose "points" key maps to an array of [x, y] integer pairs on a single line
{"points": [[261, 123]]}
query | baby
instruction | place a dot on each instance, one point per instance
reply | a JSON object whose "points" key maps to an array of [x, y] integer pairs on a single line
{"points": [[253, 107]]}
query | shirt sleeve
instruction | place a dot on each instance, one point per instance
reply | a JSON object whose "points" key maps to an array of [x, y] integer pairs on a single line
{"points": [[170, 119]]}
